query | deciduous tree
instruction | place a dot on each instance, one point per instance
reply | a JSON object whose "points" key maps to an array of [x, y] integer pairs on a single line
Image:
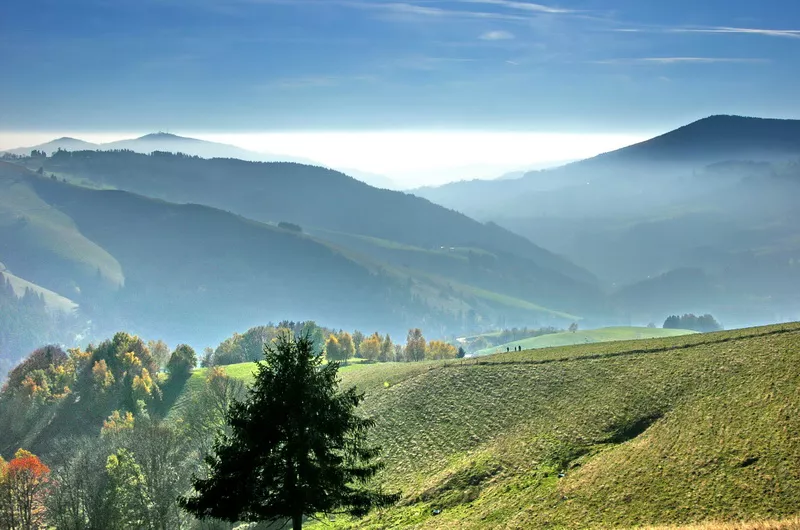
{"points": [[23, 485], [415, 345], [371, 347], [438, 349]]}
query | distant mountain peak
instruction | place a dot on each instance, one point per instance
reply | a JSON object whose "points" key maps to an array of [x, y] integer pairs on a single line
{"points": [[163, 136]]}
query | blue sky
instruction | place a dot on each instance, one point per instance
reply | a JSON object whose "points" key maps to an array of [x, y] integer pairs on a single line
{"points": [[261, 65]]}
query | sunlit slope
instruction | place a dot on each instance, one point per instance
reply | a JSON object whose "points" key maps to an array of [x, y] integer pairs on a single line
{"points": [[657, 431], [42, 241], [588, 336], [54, 301]]}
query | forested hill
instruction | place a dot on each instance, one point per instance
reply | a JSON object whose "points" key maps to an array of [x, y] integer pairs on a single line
{"points": [[183, 272], [302, 194]]}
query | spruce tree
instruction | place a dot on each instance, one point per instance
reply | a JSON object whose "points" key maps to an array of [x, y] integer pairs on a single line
{"points": [[296, 446]]}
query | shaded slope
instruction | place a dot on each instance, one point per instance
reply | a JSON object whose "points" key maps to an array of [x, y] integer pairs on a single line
{"points": [[187, 272], [317, 197]]}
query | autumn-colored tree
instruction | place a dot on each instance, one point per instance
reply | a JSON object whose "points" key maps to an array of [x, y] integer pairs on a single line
{"points": [[347, 346], [23, 487], [438, 349], [102, 376], [333, 351], [371, 347], [117, 423], [415, 345]]}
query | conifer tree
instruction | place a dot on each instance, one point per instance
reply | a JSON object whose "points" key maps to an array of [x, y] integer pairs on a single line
{"points": [[296, 446]]}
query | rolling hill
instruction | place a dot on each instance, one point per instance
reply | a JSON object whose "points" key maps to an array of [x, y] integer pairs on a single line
{"points": [[662, 431], [588, 336], [185, 272], [595, 436], [714, 196], [351, 215]]}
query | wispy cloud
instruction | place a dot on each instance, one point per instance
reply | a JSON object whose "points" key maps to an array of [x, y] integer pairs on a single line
{"points": [[786, 33], [680, 60], [790, 33], [497, 35], [318, 81], [521, 6], [428, 63]]}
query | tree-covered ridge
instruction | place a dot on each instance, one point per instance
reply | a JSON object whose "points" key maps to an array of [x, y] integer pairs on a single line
{"points": [[301, 195], [27, 323]]}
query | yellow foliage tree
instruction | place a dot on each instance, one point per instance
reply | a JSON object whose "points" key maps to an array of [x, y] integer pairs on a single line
{"points": [[371, 347], [102, 375], [117, 423], [333, 351], [347, 345], [438, 349], [143, 384], [415, 345]]}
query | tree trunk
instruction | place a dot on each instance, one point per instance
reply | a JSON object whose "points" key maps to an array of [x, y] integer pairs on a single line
{"points": [[297, 522]]}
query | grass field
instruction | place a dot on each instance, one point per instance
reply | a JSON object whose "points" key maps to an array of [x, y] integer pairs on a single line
{"points": [[652, 432], [636, 434], [787, 524], [589, 336]]}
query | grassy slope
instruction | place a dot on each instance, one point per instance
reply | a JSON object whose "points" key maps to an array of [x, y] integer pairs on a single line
{"points": [[437, 290], [650, 432], [24, 215], [588, 336], [483, 441]]}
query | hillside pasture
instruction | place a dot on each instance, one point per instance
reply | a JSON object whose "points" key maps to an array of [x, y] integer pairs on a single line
{"points": [[589, 336]]}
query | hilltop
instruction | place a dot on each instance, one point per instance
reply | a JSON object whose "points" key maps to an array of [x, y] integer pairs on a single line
{"points": [[589, 336], [713, 197]]}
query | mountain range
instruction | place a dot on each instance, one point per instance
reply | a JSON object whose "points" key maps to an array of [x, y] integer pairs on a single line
{"points": [[188, 248], [171, 143], [715, 197]]}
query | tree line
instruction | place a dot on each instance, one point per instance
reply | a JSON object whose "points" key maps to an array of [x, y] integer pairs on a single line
{"points": [[704, 323], [336, 345]]}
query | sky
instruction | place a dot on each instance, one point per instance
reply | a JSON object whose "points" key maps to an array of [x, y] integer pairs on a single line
{"points": [[495, 85]]}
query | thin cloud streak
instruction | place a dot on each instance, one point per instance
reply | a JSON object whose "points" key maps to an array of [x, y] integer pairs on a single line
{"points": [[679, 60], [404, 8], [522, 6], [785, 33], [790, 33], [497, 35]]}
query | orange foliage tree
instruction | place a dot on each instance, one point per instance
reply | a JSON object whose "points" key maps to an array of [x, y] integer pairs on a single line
{"points": [[23, 485]]}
